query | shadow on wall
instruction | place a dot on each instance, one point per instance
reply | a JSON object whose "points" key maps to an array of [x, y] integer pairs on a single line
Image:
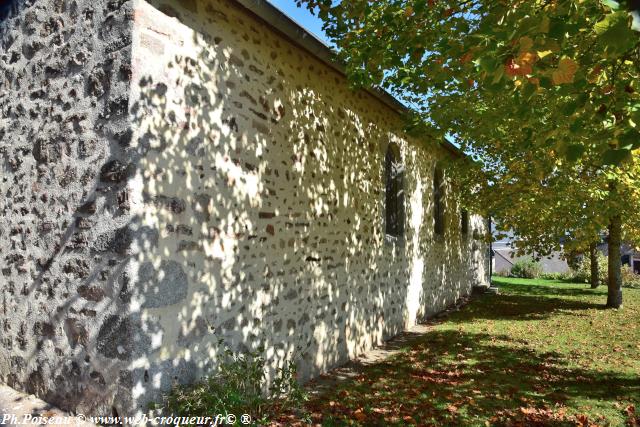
{"points": [[262, 176], [246, 205], [64, 228]]}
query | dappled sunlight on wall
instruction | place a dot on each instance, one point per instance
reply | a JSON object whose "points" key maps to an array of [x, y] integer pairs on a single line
{"points": [[176, 173], [261, 176]]}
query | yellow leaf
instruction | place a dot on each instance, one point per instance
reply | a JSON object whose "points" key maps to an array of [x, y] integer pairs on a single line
{"points": [[527, 58], [565, 72], [544, 53]]}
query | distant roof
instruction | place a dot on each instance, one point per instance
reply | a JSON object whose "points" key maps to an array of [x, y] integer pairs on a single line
{"points": [[553, 263], [280, 22]]}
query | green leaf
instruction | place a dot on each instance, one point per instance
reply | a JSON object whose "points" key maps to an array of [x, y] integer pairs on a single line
{"points": [[488, 63], [615, 157], [615, 34], [546, 82], [574, 152], [630, 140], [570, 108], [556, 28], [577, 126], [528, 90], [611, 4]]}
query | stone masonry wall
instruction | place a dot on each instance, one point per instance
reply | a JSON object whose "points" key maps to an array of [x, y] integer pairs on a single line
{"points": [[261, 182], [175, 173], [65, 74]]}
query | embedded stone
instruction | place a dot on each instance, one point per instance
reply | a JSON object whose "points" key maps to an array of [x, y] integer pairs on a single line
{"points": [[229, 324], [114, 338], [118, 241], [124, 138], [88, 208], [186, 245], [76, 333], [260, 127], [44, 329], [97, 82], [197, 333], [113, 172], [201, 208], [184, 229], [97, 378], [304, 319], [91, 293], [78, 268], [292, 294], [44, 152], [163, 286]]}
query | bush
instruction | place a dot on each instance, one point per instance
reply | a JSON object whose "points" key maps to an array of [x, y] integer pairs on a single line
{"points": [[240, 387], [582, 273], [629, 278], [555, 276], [501, 273], [526, 268]]}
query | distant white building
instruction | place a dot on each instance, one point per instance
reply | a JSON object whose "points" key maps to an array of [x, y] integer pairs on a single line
{"points": [[504, 257]]}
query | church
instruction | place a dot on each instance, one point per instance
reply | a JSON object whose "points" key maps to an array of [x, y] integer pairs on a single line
{"points": [[177, 174]]}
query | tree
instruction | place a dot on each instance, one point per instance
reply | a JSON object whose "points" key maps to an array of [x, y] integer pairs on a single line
{"points": [[593, 262], [542, 94]]}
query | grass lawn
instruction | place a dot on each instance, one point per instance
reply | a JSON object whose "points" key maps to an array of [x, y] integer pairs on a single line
{"points": [[542, 353]]}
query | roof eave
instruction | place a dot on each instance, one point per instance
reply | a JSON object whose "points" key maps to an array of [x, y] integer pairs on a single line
{"points": [[296, 34]]}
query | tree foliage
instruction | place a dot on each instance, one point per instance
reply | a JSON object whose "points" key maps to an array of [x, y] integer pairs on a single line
{"points": [[543, 96], [574, 59]]}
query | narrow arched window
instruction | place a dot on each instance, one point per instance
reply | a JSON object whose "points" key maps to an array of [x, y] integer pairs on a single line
{"points": [[464, 222], [438, 201], [394, 200]]}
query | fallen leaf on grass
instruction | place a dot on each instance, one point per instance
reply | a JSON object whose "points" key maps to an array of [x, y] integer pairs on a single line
{"points": [[409, 420], [360, 415]]}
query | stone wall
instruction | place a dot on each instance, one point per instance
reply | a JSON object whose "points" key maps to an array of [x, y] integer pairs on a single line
{"points": [[175, 173], [261, 175], [65, 70]]}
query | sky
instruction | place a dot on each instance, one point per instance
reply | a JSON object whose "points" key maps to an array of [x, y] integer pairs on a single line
{"points": [[302, 16]]}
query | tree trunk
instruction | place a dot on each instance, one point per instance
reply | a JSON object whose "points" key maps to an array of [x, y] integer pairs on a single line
{"points": [[593, 258], [614, 296]]}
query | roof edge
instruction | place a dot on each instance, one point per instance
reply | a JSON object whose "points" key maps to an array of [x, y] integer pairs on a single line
{"points": [[283, 24]]}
